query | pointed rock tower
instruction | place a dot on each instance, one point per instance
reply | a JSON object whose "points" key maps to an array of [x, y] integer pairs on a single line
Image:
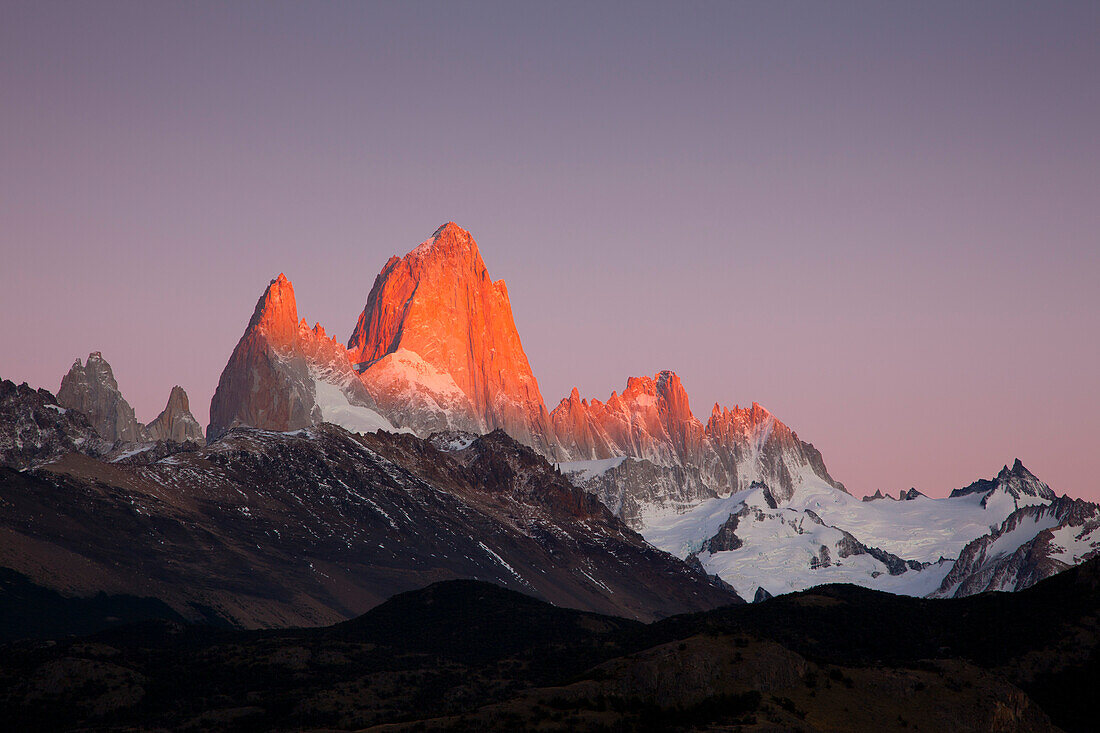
{"points": [[175, 422], [439, 346], [265, 384], [284, 375]]}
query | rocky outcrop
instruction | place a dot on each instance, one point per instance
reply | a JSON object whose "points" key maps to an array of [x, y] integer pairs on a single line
{"points": [[34, 429], [271, 380], [634, 488], [650, 420], [439, 346], [91, 388], [175, 422]]}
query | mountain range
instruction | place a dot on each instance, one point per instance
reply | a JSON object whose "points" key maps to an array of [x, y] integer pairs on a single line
{"points": [[436, 348], [335, 474]]}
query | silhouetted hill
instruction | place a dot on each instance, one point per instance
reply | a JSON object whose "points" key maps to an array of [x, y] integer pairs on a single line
{"points": [[29, 611], [470, 655]]}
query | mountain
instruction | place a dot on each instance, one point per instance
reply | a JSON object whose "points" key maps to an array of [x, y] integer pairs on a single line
{"points": [[1034, 542], [175, 422], [467, 655], [261, 528], [91, 389], [1018, 482], [1003, 533], [283, 375], [436, 349], [439, 346]]}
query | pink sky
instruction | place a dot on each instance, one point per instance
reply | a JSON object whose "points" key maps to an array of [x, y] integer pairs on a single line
{"points": [[879, 221]]}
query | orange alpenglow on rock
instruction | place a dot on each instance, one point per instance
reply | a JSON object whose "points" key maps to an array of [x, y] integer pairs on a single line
{"points": [[436, 348], [438, 332], [273, 377], [262, 386], [652, 420]]}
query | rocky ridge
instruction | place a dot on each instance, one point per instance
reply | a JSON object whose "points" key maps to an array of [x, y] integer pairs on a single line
{"points": [[689, 462], [262, 528], [1034, 542], [34, 429]]}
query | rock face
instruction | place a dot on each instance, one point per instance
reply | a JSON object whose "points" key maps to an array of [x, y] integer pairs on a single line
{"points": [[441, 347], [35, 429], [91, 388], [271, 380], [175, 422], [652, 422]]}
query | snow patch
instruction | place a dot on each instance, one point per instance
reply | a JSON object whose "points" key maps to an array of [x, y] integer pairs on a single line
{"points": [[335, 408], [1074, 545], [583, 471]]}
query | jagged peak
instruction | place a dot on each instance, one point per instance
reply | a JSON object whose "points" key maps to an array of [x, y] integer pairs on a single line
{"points": [[178, 397], [1017, 470], [95, 366], [449, 228], [1014, 480], [449, 240], [663, 382], [276, 313]]}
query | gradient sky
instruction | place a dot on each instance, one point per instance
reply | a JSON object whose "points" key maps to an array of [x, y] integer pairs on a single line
{"points": [[881, 221]]}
